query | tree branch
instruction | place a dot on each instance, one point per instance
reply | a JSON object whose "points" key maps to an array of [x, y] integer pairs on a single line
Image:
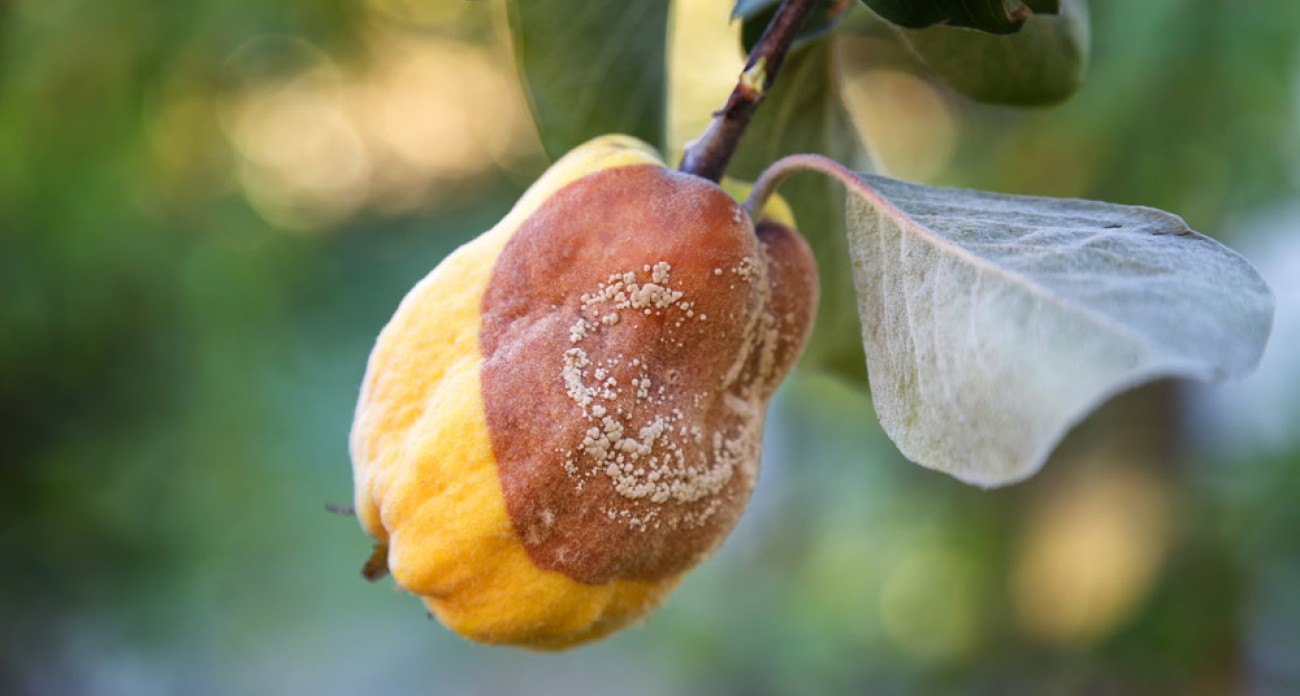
{"points": [[709, 154]]}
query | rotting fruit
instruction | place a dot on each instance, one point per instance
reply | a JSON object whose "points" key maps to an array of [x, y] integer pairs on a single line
{"points": [[566, 414]]}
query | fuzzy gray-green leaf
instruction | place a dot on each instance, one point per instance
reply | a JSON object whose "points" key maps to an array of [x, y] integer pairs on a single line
{"points": [[994, 323]]}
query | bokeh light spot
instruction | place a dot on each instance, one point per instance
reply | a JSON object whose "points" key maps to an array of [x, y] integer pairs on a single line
{"points": [[1092, 552], [907, 126]]}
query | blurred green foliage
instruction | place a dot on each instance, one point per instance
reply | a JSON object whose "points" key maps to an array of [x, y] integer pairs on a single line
{"points": [[570, 54], [177, 376]]}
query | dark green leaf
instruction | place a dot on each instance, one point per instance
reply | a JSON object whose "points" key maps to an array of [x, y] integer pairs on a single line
{"points": [[994, 16], [804, 113], [1043, 63], [592, 68]]}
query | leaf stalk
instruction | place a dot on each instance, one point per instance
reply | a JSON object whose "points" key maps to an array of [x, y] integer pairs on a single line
{"points": [[780, 169]]}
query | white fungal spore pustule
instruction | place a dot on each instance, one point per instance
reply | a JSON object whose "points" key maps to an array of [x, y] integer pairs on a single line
{"points": [[645, 436]]}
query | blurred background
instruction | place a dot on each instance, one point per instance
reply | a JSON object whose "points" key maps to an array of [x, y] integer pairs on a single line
{"points": [[209, 209]]}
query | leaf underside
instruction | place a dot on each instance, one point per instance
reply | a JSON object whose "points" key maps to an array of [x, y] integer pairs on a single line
{"points": [[992, 323], [592, 68]]}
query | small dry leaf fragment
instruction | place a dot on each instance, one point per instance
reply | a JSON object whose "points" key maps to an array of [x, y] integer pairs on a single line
{"points": [[566, 414]]}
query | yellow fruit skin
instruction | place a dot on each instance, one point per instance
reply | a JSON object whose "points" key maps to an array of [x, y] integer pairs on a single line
{"points": [[427, 482], [420, 445]]}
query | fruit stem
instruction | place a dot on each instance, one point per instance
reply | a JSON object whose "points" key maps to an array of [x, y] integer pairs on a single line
{"points": [[709, 154], [780, 169], [376, 566]]}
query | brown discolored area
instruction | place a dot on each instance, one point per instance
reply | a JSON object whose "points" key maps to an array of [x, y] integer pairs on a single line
{"points": [[631, 336], [792, 276]]}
